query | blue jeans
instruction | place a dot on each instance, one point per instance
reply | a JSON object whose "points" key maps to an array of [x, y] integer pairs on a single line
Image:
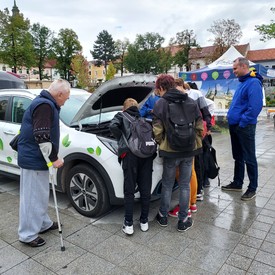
{"points": [[244, 152], [168, 180]]}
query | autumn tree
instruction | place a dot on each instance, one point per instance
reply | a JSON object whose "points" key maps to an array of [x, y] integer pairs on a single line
{"points": [[65, 47], [16, 48], [80, 69], [267, 32], [120, 51], [104, 49], [42, 38], [227, 32], [143, 55], [111, 70], [185, 40]]}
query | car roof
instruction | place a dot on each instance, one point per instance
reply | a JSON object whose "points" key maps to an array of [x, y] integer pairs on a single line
{"points": [[36, 92]]}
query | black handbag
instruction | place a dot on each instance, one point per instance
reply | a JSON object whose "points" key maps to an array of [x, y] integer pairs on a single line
{"points": [[14, 143]]}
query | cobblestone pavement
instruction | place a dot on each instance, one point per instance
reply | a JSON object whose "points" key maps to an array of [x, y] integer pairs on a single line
{"points": [[229, 236]]}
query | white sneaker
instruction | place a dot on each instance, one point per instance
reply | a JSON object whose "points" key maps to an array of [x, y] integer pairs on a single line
{"points": [[144, 227], [128, 230], [199, 197]]}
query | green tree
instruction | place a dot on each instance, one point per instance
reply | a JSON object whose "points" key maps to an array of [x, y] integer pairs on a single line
{"points": [[42, 40], [16, 48], [227, 32], [267, 32], [80, 67], [185, 40], [166, 59], [144, 54], [120, 51], [104, 49], [65, 47], [111, 70]]}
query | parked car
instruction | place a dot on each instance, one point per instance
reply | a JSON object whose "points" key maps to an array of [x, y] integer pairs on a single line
{"points": [[91, 175]]}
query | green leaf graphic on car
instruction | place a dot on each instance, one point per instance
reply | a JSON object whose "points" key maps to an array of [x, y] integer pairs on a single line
{"points": [[1, 144], [97, 150], [90, 150], [65, 141], [9, 159]]}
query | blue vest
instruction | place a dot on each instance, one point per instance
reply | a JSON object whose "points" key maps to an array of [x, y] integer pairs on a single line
{"points": [[29, 153]]}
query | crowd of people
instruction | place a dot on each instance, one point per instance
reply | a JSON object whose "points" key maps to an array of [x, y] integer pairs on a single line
{"points": [[39, 140]]}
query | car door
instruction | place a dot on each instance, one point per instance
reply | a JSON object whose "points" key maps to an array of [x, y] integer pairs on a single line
{"points": [[11, 126]]}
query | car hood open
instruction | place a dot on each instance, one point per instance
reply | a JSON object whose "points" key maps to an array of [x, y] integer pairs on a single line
{"points": [[111, 95]]}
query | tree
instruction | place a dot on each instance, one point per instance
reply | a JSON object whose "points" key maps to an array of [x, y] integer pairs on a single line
{"points": [[185, 40], [166, 59], [110, 71], [80, 69], [144, 54], [16, 48], [42, 38], [227, 32], [267, 31], [65, 47], [104, 49], [121, 48]]}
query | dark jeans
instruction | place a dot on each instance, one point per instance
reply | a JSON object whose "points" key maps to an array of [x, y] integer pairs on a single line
{"points": [[137, 172], [168, 180], [244, 152]]}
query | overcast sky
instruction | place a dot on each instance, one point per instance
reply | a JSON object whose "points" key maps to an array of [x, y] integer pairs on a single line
{"points": [[127, 18]]}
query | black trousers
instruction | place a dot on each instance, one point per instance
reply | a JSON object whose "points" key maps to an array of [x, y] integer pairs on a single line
{"points": [[199, 168], [137, 173]]}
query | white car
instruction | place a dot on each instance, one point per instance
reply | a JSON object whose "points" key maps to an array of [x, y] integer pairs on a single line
{"points": [[91, 175]]}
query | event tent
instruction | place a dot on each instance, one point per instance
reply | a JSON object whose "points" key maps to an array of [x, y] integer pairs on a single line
{"points": [[218, 79]]}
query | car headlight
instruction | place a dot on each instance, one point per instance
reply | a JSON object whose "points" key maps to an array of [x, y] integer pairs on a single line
{"points": [[110, 144]]}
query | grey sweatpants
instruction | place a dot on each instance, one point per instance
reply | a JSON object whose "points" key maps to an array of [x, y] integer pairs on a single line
{"points": [[34, 200]]}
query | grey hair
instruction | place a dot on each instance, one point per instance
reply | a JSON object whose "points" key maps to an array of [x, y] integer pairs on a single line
{"points": [[59, 85], [242, 61]]}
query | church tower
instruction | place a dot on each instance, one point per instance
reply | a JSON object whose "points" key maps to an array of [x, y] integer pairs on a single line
{"points": [[15, 10]]}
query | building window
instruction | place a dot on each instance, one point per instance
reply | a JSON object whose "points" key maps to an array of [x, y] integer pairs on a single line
{"points": [[4, 68], [198, 65]]}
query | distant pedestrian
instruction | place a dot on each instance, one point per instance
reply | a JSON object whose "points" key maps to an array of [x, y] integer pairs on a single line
{"points": [[136, 171], [38, 147], [242, 119]]}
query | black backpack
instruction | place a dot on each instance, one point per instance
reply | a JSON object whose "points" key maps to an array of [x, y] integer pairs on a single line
{"points": [[180, 130], [141, 141], [211, 167]]}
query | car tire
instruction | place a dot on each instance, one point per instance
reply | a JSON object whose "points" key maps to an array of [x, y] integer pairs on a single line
{"points": [[86, 191]]}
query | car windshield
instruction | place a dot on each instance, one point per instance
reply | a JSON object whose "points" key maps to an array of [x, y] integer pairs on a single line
{"points": [[71, 107]]}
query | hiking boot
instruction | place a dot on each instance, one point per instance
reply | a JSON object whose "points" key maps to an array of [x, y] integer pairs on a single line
{"points": [[161, 220], [248, 195], [184, 226], [232, 187], [144, 226], [128, 229], [193, 208], [174, 213]]}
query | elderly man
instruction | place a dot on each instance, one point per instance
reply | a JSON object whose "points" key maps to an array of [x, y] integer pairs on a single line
{"points": [[37, 150], [242, 119]]}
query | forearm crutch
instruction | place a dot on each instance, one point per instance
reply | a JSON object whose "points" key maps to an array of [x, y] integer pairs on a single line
{"points": [[52, 172]]}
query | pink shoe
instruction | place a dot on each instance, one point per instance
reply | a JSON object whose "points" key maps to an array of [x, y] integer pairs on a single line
{"points": [[193, 208], [174, 213]]}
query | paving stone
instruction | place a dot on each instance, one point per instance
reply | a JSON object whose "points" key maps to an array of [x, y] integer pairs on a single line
{"points": [[239, 261], [231, 270], [261, 268], [245, 251], [266, 258]]}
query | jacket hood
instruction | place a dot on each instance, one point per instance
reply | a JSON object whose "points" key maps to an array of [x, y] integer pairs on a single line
{"points": [[133, 111], [174, 95], [251, 75]]}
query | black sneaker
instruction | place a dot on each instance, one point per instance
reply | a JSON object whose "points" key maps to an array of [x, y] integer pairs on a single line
{"points": [[232, 187], [184, 226], [161, 220], [248, 195]]}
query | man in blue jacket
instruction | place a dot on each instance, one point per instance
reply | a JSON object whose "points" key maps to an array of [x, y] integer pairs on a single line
{"points": [[242, 119]]}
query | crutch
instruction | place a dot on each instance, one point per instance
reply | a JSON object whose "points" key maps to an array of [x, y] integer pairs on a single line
{"points": [[52, 172]]}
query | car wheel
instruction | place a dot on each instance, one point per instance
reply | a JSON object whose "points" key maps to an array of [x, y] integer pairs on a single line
{"points": [[86, 191]]}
